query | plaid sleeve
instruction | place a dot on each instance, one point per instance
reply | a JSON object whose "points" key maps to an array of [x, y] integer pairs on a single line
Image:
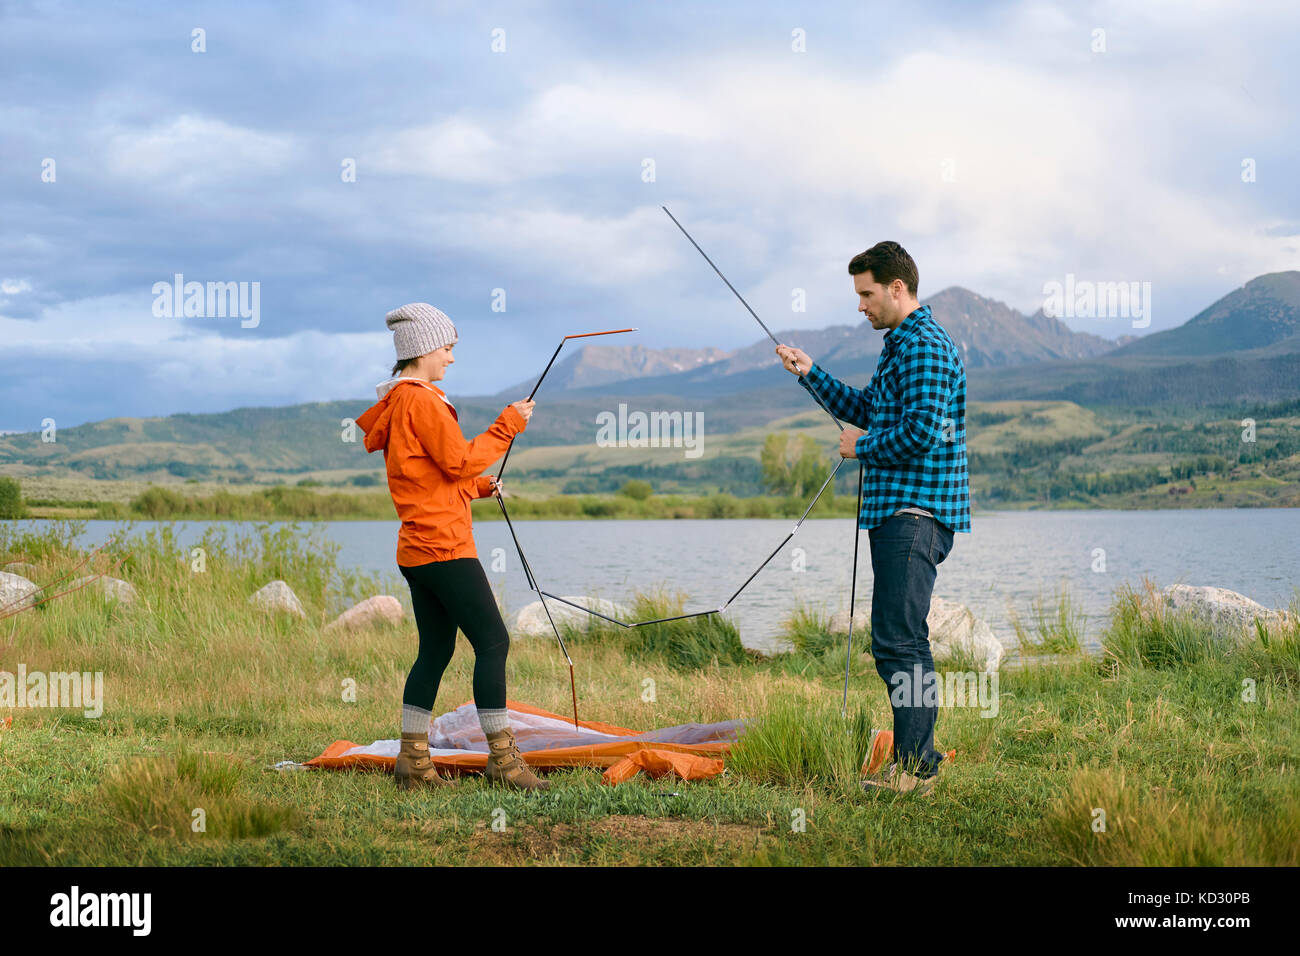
{"points": [[848, 404], [928, 377]]}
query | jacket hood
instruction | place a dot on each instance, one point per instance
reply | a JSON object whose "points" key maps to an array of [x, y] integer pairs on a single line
{"points": [[376, 421]]}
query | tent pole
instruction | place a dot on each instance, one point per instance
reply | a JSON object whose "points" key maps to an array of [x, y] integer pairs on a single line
{"points": [[853, 591]]}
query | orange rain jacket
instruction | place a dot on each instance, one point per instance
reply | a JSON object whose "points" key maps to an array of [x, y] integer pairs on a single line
{"points": [[433, 472]]}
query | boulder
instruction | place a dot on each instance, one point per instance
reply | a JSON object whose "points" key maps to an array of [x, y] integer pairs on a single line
{"points": [[953, 627], [22, 569], [16, 591], [371, 611], [115, 589], [279, 597], [1229, 616], [531, 620]]}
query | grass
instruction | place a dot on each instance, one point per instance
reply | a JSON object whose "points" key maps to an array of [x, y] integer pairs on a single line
{"points": [[1057, 627], [800, 742], [1144, 633], [1187, 747], [693, 643]]}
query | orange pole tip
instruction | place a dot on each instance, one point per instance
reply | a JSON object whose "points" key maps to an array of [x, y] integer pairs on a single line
{"points": [[583, 335]]}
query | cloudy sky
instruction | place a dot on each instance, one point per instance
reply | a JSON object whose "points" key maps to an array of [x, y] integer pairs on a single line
{"points": [[510, 146]]}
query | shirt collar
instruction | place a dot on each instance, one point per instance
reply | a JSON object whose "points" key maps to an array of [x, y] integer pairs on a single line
{"points": [[907, 328]]}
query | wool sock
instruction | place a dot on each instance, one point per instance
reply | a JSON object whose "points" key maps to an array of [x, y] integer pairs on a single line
{"points": [[415, 720], [494, 721]]}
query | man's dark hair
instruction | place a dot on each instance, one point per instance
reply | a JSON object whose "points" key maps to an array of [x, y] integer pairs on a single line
{"points": [[886, 261]]}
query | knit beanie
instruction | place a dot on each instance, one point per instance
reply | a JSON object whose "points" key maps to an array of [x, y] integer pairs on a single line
{"points": [[419, 328]]}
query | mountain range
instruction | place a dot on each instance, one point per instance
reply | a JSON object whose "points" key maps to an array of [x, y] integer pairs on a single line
{"points": [[1243, 350], [989, 333]]}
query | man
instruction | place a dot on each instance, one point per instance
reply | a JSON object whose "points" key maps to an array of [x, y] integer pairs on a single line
{"points": [[911, 436]]}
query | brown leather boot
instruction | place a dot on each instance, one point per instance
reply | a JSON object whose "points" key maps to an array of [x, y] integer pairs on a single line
{"points": [[415, 767], [506, 767]]}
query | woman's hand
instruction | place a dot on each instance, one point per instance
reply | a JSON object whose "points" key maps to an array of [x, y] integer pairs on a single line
{"points": [[498, 486], [524, 407]]}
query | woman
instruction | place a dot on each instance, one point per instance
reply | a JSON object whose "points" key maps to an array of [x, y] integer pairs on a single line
{"points": [[433, 474]]}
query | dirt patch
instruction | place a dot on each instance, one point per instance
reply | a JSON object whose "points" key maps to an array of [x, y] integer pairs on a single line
{"points": [[611, 839]]}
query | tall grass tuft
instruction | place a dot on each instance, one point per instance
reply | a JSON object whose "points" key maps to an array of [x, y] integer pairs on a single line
{"points": [[1277, 650], [1057, 626], [1143, 632], [189, 795], [688, 644], [48, 541], [808, 630], [1106, 817], [797, 742]]}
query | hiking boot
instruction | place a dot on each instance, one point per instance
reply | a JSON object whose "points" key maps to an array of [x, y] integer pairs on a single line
{"points": [[506, 767], [414, 768], [903, 782], [883, 780], [917, 786]]}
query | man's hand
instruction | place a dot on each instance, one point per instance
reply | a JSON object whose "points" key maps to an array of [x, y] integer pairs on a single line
{"points": [[795, 360], [848, 442]]}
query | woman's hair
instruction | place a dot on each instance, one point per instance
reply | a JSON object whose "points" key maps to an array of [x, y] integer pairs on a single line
{"points": [[402, 363]]}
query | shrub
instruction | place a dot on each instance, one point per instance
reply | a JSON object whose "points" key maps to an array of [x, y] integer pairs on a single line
{"points": [[159, 503], [11, 499], [637, 490]]}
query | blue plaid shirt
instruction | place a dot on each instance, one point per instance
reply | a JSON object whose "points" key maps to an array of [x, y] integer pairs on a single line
{"points": [[914, 412]]}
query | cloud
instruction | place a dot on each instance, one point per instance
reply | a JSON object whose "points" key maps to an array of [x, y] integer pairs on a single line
{"points": [[192, 150], [1008, 172], [526, 171]]}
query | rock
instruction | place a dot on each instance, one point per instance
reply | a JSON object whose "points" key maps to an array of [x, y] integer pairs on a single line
{"points": [[278, 596], [1230, 616], [531, 620], [115, 589], [22, 569], [371, 611], [953, 627], [16, 591]]}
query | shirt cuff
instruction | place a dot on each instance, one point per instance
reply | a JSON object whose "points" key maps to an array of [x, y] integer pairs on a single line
{"points": [[813, 379], [514, 417]]}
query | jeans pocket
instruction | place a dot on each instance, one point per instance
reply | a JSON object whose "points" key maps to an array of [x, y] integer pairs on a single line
{"points": [[915, 533], [940, 542]]}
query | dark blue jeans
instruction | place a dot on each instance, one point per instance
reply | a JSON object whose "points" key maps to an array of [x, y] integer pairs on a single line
{"points": [[906, 551]]}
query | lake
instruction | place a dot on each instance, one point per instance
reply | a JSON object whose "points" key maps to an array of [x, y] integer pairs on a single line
{"points": [[1010, 558]]}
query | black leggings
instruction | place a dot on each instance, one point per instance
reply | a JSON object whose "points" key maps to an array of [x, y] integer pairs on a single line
{"points": [[447, 595]]}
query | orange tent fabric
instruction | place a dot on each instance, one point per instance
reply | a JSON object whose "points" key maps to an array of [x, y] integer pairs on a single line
{"points": [[659, 763], [549, 741]]}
